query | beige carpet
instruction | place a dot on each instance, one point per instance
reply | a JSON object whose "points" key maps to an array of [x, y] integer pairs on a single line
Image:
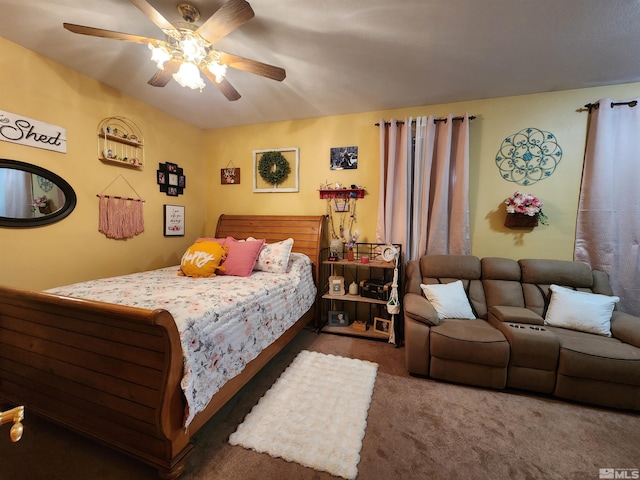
{"points": [[416, 429], [327, 439]]}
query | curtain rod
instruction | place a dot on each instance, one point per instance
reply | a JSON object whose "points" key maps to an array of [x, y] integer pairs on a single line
{"points": [[436, 120], [595, 106]]}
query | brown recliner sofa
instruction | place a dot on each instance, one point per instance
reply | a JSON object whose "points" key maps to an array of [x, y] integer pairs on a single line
{"points": [[508, 344]]}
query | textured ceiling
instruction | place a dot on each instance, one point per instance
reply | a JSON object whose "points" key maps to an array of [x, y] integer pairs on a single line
{"points": [[348, 56]]}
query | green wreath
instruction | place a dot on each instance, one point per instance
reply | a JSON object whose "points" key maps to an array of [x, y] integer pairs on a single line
{"points": [[273, 168]]}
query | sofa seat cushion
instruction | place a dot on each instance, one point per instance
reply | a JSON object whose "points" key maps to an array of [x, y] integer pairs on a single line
{"points": [[584, 355], [470, 341]]}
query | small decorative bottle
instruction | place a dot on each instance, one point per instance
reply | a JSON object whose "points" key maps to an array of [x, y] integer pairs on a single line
{"points": [[350, 255]]}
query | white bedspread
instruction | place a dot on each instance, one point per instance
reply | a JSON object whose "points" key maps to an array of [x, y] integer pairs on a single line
{"points": [[224, 322]]}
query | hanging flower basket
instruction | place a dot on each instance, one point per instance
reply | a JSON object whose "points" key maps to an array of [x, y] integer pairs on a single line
{"points": [[514, 220], [524, 210]]}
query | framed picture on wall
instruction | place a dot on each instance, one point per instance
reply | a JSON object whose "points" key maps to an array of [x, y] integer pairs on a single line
{"points": [[171, 179], [276, 170], [173, 220], [230, 176], [343, 158]]}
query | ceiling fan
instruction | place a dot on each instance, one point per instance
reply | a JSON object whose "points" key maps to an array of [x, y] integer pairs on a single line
{"points": [[188, 50]]}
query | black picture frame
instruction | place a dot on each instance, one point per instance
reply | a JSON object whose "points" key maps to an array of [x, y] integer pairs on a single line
{"points": [[338, 318], [171, 179]]}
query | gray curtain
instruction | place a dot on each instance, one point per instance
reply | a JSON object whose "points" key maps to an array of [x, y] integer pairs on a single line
{"points": [[424, 185], [608, 222]]}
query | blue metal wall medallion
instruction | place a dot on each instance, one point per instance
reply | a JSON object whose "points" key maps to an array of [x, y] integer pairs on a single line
{"points": [[528, 156]]}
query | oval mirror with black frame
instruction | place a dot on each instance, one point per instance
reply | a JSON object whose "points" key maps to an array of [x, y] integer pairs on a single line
{"points": [[32, 196]]}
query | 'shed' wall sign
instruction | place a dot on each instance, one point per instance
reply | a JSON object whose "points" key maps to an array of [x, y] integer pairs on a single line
{"points": [[32, 133]]}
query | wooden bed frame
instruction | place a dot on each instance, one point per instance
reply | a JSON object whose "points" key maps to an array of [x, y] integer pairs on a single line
{"points": [[112, 373]]}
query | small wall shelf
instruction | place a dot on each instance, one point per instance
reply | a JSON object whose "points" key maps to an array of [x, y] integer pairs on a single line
{"points": [[120, 142], [342, 193]]}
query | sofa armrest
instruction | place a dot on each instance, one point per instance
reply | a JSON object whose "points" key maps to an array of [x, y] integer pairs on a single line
{"points": [[420, 309], [506, 313], [626, 328]]}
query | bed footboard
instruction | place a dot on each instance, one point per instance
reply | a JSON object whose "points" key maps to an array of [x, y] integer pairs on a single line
{"points": [[109, 372]]}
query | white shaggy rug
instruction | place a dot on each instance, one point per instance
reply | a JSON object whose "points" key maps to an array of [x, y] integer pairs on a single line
{"points": [[315, 414]]}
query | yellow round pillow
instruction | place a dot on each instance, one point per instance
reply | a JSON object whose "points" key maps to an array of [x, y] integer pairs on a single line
{"points": [[203, 259]]}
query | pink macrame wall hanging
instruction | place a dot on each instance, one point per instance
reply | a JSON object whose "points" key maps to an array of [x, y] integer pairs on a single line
{"points": [[120, 217]]}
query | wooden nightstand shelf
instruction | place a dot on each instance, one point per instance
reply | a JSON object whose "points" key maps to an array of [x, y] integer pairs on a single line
{"points": [[373, 278]]}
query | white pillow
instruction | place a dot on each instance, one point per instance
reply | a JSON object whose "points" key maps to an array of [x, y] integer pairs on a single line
{"points": [[449, 299], [274, 257], [583, 311]]}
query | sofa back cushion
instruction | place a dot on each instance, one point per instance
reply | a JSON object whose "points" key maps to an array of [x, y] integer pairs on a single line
{"points": [[449, 268], [501, 280], [539, 274]]}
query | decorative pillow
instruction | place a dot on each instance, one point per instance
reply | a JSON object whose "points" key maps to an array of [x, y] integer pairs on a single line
{"points": [[449, 300], [241, 256], [274, 257], [203, 259], [583, 311]]}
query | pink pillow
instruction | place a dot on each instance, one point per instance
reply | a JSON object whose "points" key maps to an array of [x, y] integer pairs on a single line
{"points": [[241, 256]]}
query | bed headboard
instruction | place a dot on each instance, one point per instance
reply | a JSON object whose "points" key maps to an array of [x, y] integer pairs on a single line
{"points": [[306, 231]]}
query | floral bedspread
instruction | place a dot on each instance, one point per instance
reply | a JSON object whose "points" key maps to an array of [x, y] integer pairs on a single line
{"points": [[224, 322]]}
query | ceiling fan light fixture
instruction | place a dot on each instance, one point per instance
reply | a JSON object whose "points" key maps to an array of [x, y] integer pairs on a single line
{"points": [[189, 76], [193, 48], [160, 55], [218, 69], [187, 50]]}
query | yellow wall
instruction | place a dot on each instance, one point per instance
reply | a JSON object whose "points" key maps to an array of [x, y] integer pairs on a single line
{"points": [[73, 250], [496, 119]]}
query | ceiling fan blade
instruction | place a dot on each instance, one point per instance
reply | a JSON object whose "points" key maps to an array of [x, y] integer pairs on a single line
{"points": [[153, 15], [162, 77], [227, 18], [253, 66], [99, 32], [224, 86]]}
